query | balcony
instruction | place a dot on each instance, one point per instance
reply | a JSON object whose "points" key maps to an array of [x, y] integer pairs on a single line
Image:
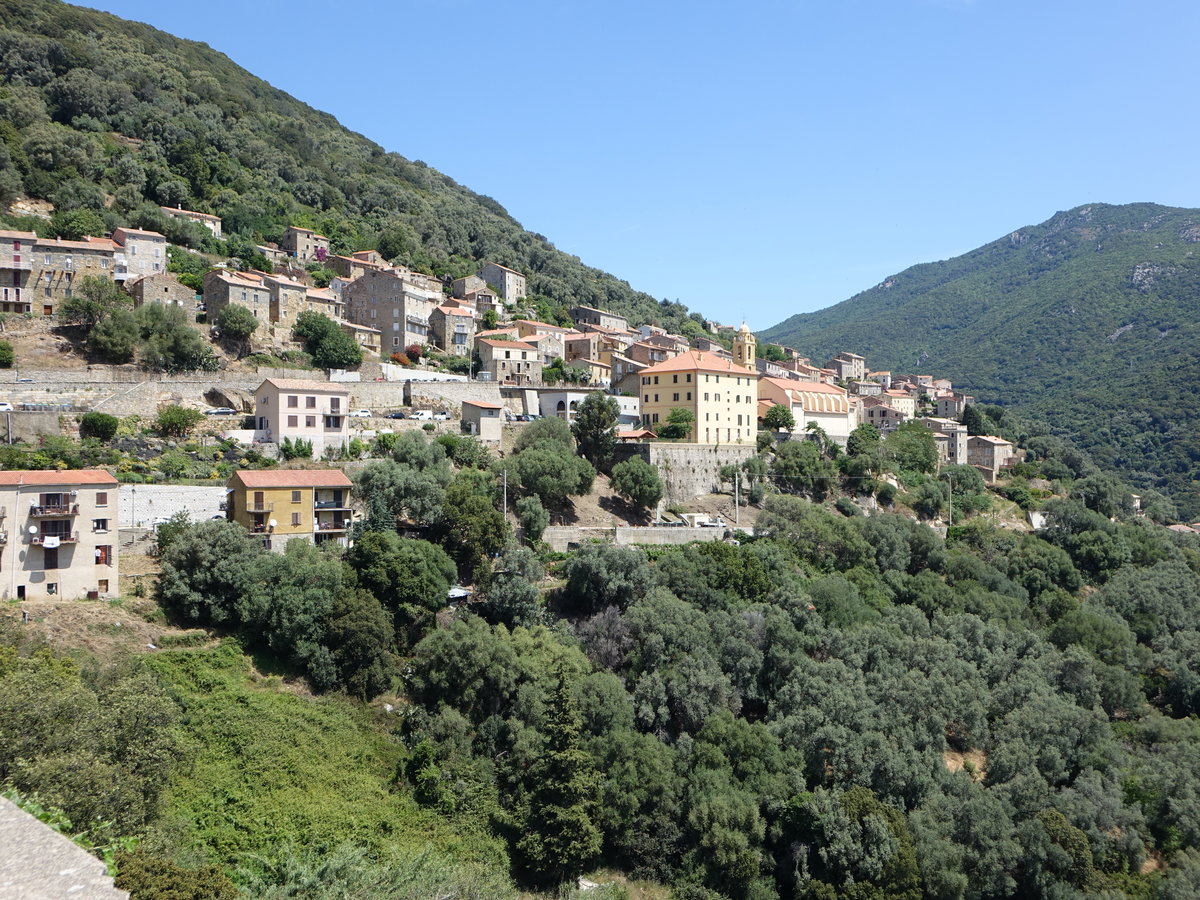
{"points": [[67, 537], [332, 504], [333, 526], [21, 265], [46, 512], [263, 507]]}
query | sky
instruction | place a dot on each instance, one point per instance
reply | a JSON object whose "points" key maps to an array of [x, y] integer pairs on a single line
{"points": [[757, 159]]}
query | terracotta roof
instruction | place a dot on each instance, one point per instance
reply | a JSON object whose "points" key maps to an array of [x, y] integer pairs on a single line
{"points": [[320, 294], [482, 405], [639, 433], [57, 477], [137, 232], [691, 360], [507, 345], [495, 332], [18, 236], [268, 478], [299, 384], [990, 439], [537, 324], [455, 311], [285, 282], [93, 244], [174, 211], [815, 387]]}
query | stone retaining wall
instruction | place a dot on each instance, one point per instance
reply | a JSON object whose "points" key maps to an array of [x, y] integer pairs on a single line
{"points": [[688, 470]]}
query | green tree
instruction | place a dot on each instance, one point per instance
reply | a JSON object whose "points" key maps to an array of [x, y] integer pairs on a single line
{"points": [[409, 577], [471, 527], [595, 428], [236, 324], [799, 468], [116, 339], [7, 357], [177, 421], [973, 419], [559, 836], [329, 346], [678, 426], [76, 224], [912, 447], [533, 518], [638, 482], [150, 877], [552, 476], [544, 434], [98, 425], [779, 418], [206, 570], [93, 301]]}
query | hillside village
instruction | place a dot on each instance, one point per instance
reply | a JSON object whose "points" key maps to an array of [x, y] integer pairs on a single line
{"points": [[452, 356]]}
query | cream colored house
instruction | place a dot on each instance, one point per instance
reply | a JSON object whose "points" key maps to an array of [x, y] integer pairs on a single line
{"points": [[212, 223], [813, 402], [58, 534], [138, 253], [510, 362], [309, 410], [956, 438], [721, 395], [483, 420]]}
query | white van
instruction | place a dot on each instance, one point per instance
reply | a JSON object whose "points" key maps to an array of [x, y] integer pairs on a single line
{"points": [[422, 415]]}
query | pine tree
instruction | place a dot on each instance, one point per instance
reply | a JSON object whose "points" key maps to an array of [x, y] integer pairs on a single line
{"points": [[559, 835]]}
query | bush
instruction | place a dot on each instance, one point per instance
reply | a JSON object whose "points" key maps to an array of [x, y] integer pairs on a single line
{"points": [[638, 482], [297, 449], [98, 425], [533, 518], [177, 421], [7, 356]]}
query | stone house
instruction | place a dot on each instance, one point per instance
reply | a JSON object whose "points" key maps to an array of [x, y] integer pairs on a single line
{"points": [[952, 405], [626, 374], [211, 222], [16, 271], [593, 372], [879, 412], [352, 266], [368, 338], [283, 505], [722, 396], [649, 354], [57, 266], [509, 282], [989, 454], [58, 534], [848, 366], [161, 288], [956, 438], [324, 301], [287, 299], [588, 315], [452, 329], [223, 287], [305, 244], [469, 284], [394, 302], [510, 362], [138, 253]]}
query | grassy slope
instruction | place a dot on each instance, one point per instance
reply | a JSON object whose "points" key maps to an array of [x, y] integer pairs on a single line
{"points": [[271, 766], [1029, 320]]}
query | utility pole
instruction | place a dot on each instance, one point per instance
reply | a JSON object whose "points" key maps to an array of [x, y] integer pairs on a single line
{"points": [[505, 470]]}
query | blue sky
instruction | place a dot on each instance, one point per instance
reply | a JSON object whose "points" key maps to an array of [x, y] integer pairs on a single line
{"points": [[756, 159]]}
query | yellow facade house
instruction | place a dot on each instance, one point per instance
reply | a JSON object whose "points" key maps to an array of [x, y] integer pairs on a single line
{"points": [[289, 504], [722, 396]]}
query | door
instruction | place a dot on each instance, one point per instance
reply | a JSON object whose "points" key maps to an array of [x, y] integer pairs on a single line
{"points": [[259, 500]]}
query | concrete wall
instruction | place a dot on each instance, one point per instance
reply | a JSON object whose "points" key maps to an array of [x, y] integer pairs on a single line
{"points": [[562, 537], [28, 426], [449, 394], [142, 505], [688, 470]]}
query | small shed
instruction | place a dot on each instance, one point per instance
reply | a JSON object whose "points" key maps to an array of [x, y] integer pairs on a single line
{"points": [[483, 420]]}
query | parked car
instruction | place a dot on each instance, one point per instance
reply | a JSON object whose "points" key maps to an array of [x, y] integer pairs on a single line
{"points": [[521, 418], [220, 411], [395, 415], [24, 380], [422, 415], [360, 414], [441, 416], [718, 522], [6, 407]]}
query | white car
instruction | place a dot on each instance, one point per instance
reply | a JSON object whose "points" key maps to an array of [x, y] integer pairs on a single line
{"points": [[422, 415], [6, 407], [360, 414], [441, 416]]}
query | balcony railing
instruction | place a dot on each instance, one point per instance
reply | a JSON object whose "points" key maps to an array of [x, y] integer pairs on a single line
{"points": [[24, 265], [333, 526], [68, 537], [66, 509], [332, 504], [265, 506]]}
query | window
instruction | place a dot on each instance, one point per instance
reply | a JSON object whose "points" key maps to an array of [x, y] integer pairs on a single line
{"points": [[706, 396], [293, 402], [310, 421], [656, 379], [293, 421], [675, 379], [656, 398], [295, 496], [102, 498], [646, 399], [99, 524], [689, 395], [104, 555], [310, 402], [689, 378], [675, 396], [295, 518], [102, 585]]}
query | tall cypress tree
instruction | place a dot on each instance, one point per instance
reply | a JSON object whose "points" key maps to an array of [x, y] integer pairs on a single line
{"points": [[560, 837]]}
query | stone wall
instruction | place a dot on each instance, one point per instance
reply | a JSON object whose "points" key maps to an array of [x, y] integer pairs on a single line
{"points": [[688, 470], [449, 394], [28, 426], [564, 537]]}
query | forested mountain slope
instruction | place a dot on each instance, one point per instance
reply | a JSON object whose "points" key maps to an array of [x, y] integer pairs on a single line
{"points": [[117, 117], [1089, 321]]}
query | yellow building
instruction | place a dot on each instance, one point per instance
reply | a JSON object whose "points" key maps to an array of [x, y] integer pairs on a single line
{"points": [[722, 395], [745, 347], [285, 504]]}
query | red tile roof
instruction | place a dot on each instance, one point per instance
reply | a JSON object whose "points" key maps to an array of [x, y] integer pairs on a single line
{"points": [[691, 360], [507, 345], [272, 478], [57, 477], [297, 384], [482, 405]]}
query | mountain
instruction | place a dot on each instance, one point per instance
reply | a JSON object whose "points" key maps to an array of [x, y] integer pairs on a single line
{"points": [[1089, 321], [115, 117]]}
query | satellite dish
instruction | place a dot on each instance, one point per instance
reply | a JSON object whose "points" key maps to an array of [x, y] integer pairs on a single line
{"points": [[271, 523], [33, 529]]}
